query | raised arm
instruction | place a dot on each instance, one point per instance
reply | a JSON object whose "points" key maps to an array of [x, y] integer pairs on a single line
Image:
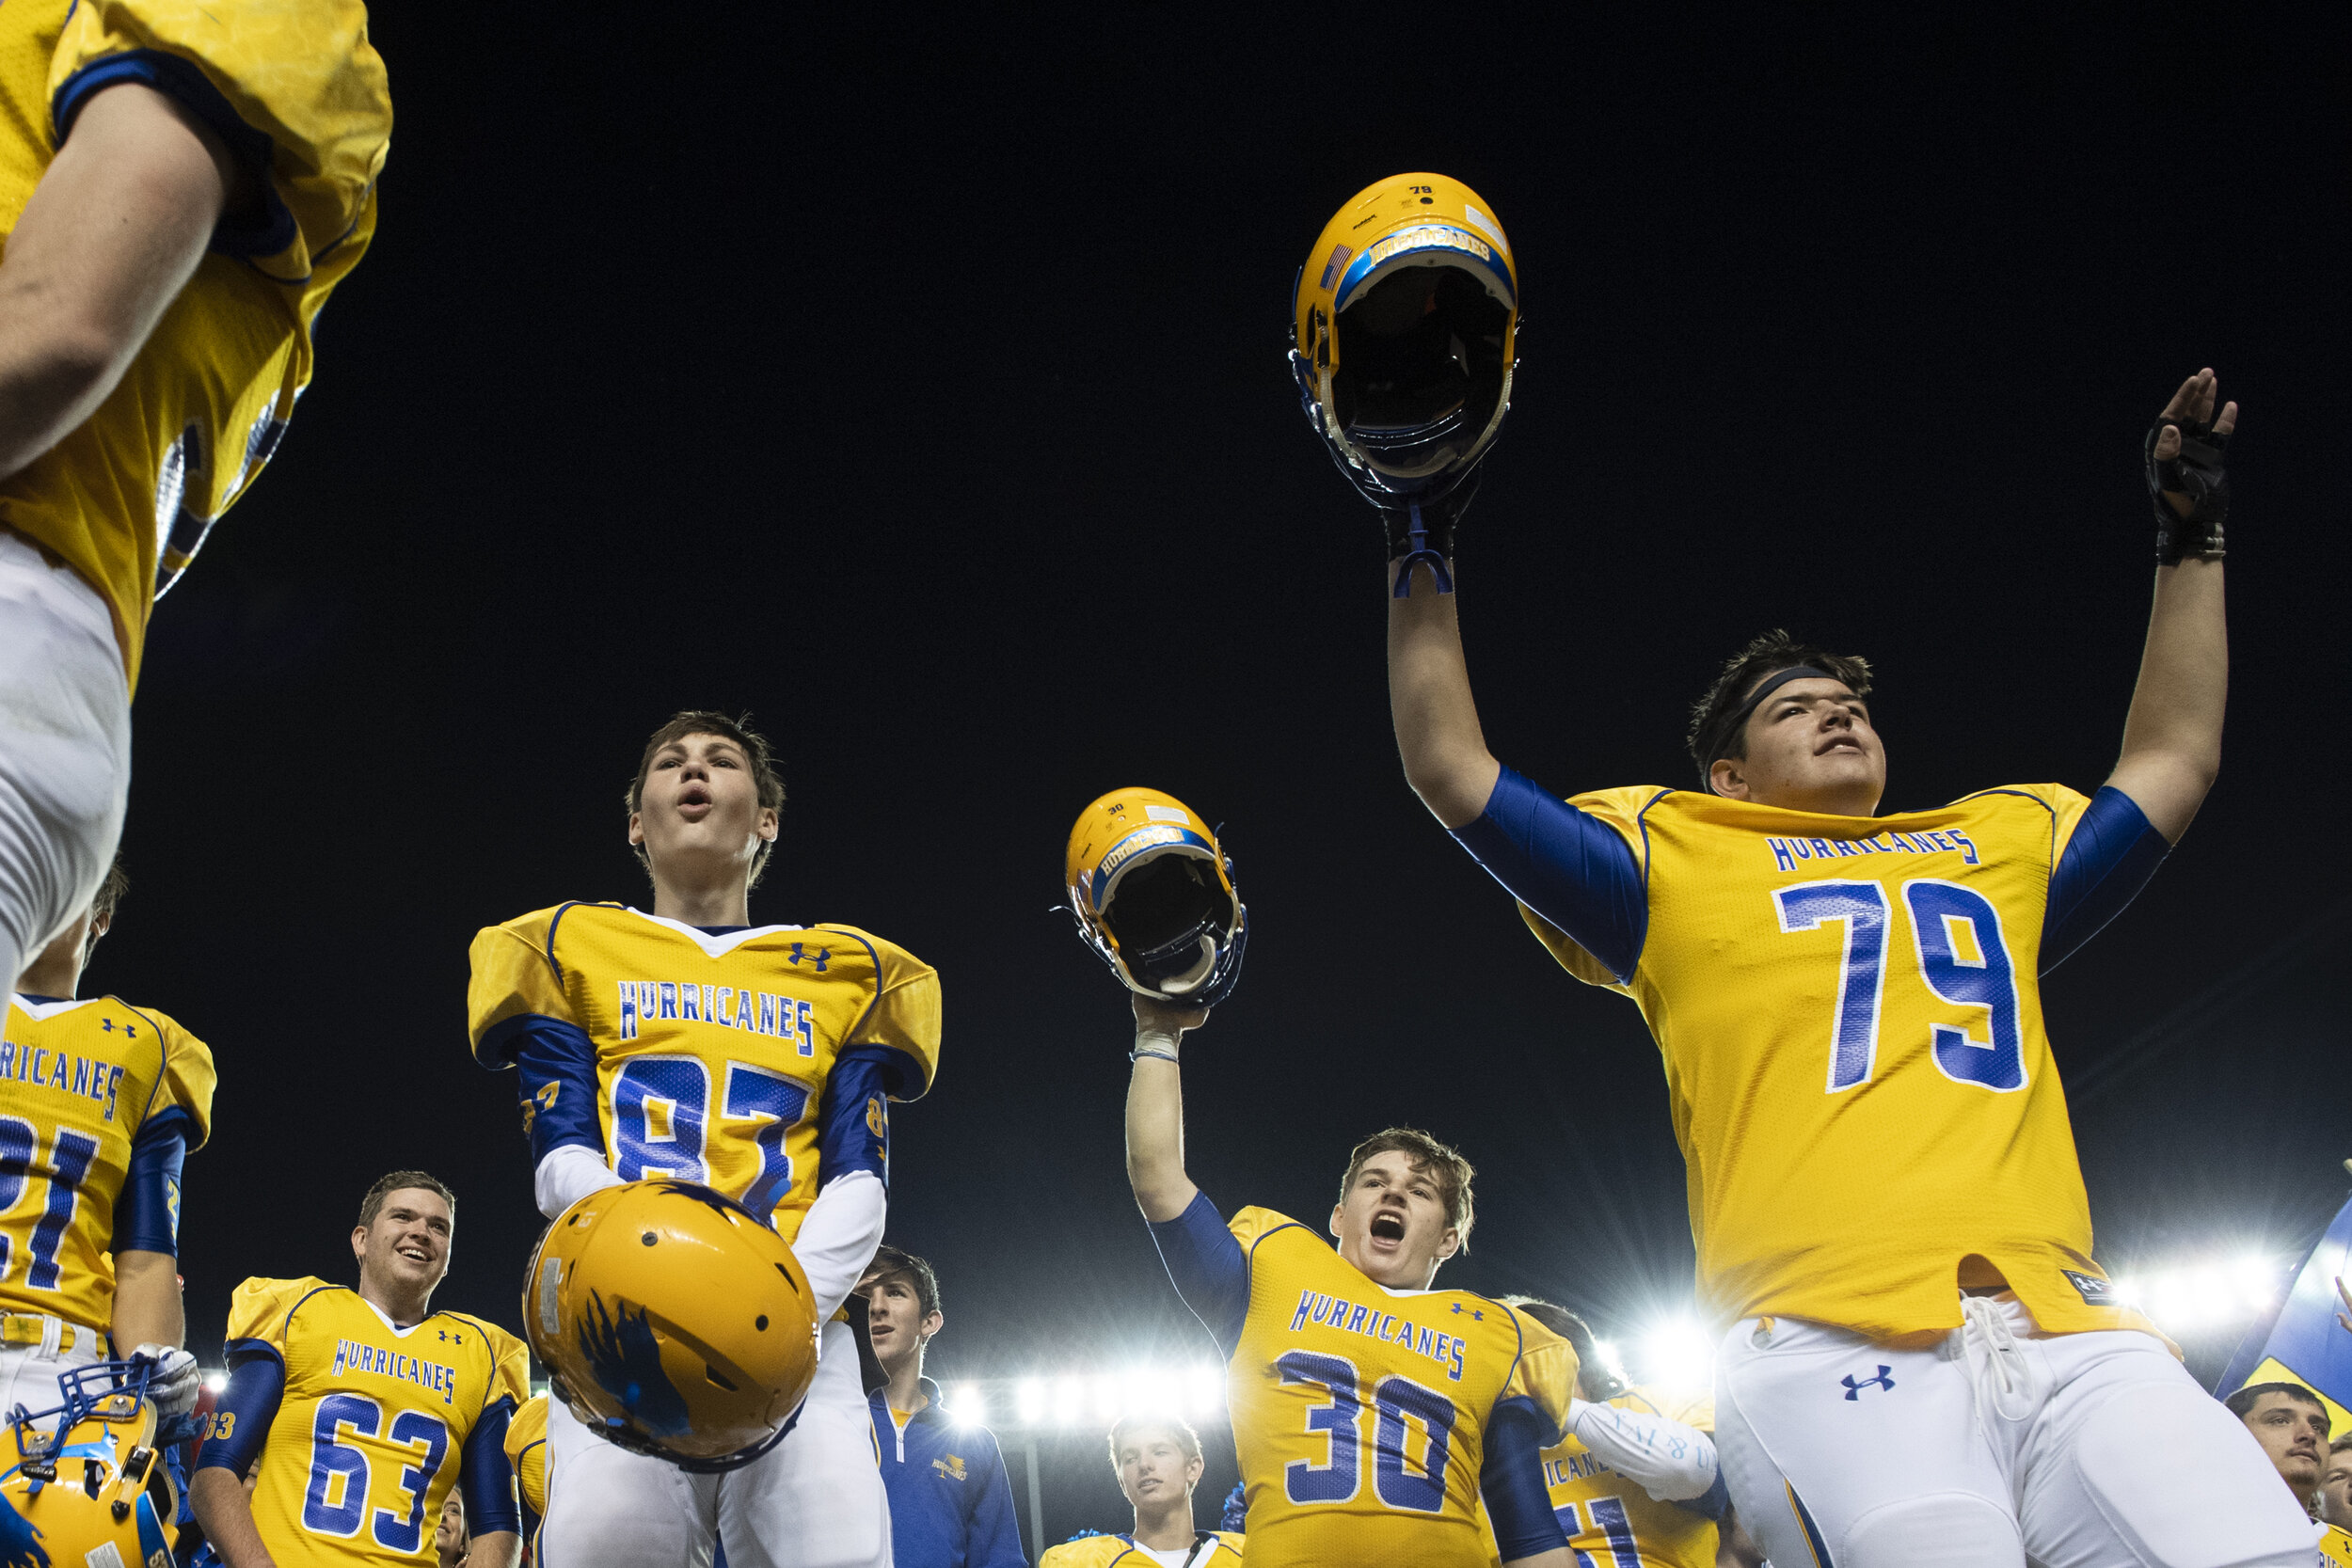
{"points": [[1155, 1110], [1444, 751], [2172, 735], [113, 229]]}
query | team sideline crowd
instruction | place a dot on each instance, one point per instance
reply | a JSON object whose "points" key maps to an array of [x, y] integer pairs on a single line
{"points": [[1922, 1361]]}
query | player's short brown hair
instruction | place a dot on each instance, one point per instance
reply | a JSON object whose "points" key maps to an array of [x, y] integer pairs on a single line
{"points": [[892, 1262], [372, 1204], [102, 906], [703, 720], [1713, 731], [1443, 1163], [1150, 1420], [2248, 1397], [1590, 1371]]}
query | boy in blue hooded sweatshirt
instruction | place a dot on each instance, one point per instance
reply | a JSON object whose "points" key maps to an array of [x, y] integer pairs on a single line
{"points": [[951, 1503]]}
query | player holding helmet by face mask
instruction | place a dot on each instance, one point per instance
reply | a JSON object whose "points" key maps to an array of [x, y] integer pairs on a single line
{"points": [[1924, 1362], [1334, 1354], [741, 1075]]}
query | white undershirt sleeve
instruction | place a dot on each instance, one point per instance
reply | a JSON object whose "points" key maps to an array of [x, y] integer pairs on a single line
{"points": [[838, 1238], [567, 1175], [1673, 1462]]}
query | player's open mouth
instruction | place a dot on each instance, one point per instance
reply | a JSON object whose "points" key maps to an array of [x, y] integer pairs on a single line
{"points": [[1386, 1228], [414, 1255]]}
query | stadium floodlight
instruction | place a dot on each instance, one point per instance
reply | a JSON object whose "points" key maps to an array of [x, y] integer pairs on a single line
{"points": [[1110, 1397], [1070, 1400], [216, 1381], [1029, 1401], [1605, 1351], [968, 1405], [2205, 1296], [1204, 1390], [1678, 1354]]}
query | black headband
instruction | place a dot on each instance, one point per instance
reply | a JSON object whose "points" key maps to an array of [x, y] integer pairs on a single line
{"points": [[1729, 723]]}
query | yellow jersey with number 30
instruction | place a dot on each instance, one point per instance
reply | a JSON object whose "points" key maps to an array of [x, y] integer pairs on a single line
{"points": [[1855, 1053], [80, 1083], [372, 1423], [300, 97], [1360, 1413], [1610, 1520]]}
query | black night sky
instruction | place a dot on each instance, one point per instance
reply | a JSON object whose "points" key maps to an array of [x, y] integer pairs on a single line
{"points": [[920, 388]]}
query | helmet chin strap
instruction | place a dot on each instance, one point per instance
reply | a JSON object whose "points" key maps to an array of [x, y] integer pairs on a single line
{"points": [[1196, 977], [1420, 553]]}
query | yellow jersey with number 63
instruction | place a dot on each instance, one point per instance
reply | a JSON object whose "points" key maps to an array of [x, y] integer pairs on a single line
{"points": [[301, 99], [1611, 1522], [1852, 1023], [371, 1424], [99, 1101], [1360, 1413], [759, 1062]]}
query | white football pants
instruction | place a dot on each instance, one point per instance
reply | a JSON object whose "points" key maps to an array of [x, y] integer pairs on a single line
{"points": [[815, 1500], [1992, 1449], [65, 749], [29, 1373]]}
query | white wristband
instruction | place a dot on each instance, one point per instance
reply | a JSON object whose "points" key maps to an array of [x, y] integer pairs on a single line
{"points": [[1159, 1044]]}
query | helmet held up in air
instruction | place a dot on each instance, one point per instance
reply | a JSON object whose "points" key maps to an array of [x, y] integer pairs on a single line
{"points": [[1153, 894]]}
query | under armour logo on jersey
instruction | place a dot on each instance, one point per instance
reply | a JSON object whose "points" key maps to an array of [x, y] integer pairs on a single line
{"points": [[820, 958], [1855, 1385]]}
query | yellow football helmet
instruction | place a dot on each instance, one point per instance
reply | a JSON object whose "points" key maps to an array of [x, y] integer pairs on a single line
{"points": [[673, 1323], [1404, 334], [1154, 894], [88, 1483]]}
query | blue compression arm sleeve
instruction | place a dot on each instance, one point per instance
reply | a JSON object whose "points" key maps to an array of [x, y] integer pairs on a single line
{"points": [[2114, 852], [555, 1066], [146, 1214], [853, 1126], [1713, 1503], [487, 1477], [1207, 1266], [1511, 1479], [241, 1421], [1570, 869]]}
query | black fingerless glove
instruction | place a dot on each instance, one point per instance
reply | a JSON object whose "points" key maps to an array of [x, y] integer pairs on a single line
{"points": [[1420, 531], [2196, 473]]}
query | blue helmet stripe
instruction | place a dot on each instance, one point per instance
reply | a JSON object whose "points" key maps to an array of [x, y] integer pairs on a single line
{"points": [[1156, 835]]}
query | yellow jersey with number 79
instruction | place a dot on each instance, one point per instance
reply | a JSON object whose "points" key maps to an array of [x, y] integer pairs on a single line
{"points": [[1855, 1057]]}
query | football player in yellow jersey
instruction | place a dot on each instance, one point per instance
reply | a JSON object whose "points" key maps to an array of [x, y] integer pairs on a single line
{"points": [[2335, 1502], [1371, 1413], [527, 1452], [1923, 1362], [1157, 1460], [759, 1060], [181, 184], [363, 1408], [100, 1102], [1634, 1477]]}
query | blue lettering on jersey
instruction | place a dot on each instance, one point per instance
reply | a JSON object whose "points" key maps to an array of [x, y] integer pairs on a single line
{"points": [[1787, 852], [353, 1356], [783, 1018], [83, 1077], [1575, 1466], [1348, 1317]]}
